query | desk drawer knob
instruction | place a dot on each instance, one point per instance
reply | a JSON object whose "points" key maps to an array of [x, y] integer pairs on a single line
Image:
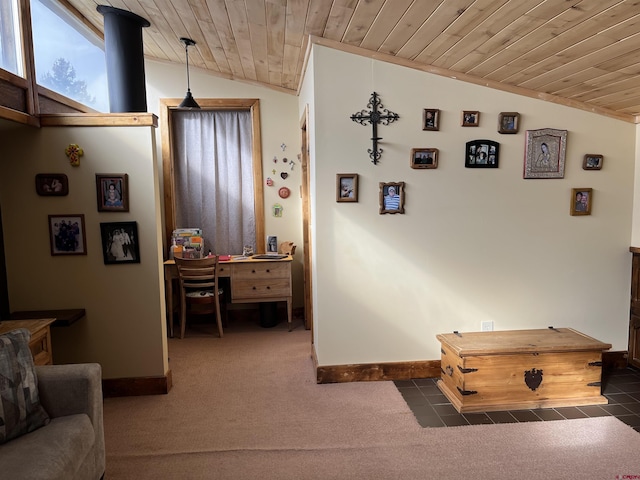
{"points": [[254, 288], [268, 287], [268, 270], [253, 271]]}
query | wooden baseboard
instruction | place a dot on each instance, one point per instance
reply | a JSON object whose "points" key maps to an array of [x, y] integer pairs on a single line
{"points": [[129, 387], [408, 370]]}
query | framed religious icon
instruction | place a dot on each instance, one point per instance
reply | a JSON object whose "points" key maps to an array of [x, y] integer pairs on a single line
{"points": [[470, 118], [424, 158], [482, 154], [431, 119], [508, 122], [544, 153], [67, 234], [347, 187], [52, 184], [592, 162], [120, 242], [112, 192], [581, 199], [391, 197]]}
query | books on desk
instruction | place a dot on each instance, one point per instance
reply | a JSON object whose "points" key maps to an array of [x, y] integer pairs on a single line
{"points": [[187, 243]]}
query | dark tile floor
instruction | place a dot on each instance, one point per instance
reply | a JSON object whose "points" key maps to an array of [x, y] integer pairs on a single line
{"points": [[432, 409]]}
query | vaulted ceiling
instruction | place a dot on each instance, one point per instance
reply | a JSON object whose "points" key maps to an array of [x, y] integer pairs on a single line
{"points": [[580, 52]]}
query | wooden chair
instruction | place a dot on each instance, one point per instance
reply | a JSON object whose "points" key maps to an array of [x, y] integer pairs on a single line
{"points": [[199, 290]]}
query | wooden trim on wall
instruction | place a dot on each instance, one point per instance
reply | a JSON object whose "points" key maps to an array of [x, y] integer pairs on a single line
{"points": [[138, 386], [98, 120], [416, 369]]}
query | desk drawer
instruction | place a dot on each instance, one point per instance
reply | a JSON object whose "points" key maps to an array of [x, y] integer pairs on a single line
{"points": [[261, 288], [258, 270]]}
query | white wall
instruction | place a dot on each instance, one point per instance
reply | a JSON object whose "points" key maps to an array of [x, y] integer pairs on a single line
{"points": [[474, 244]]}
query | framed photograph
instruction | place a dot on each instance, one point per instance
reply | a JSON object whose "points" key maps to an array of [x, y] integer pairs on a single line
{"points": [[67, 235], [120, 242], [424, 158], [581, 199], [508, 122], [52, 184], [470, 118], [544, 153], [592, 162], [272, 244], [391, 197], [347, 187], [113, 192], [431, 119], [482, 154]]}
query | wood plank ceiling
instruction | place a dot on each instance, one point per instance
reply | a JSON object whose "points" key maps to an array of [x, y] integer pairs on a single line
{"points": [[581, 51]]}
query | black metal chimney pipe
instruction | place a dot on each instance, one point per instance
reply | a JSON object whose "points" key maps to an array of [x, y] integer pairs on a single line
{"points": [[125, 59]]}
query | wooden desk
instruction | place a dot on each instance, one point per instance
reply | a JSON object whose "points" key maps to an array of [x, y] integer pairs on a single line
{"points": [[252, 280], [521, 369], [40, 343]]}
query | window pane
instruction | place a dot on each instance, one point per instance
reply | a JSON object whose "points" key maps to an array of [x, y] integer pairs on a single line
{"points": [[10, 41], [69, 58]]}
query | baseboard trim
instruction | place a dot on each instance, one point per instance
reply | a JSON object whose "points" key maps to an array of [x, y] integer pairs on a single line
{"points": [[408, 370], [137, 386]]}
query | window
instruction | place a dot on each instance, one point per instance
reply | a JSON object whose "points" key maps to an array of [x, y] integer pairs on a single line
{"points": [[10, 41], [168, 111], [69, 57]]}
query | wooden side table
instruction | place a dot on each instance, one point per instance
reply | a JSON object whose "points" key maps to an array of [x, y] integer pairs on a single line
{"points": [[40, 343]]}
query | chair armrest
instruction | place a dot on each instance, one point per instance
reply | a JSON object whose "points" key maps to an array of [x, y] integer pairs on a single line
{"points": [[73, 389]]}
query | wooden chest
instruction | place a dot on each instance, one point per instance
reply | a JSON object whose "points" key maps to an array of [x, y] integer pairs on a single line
{"points": [[521, 369]]}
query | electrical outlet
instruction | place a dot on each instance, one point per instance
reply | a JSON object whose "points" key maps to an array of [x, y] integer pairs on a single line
{"points": [[486, 326]]}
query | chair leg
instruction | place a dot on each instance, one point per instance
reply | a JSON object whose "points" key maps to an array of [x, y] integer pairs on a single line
{"points": [[218, 316], [183, 316]]}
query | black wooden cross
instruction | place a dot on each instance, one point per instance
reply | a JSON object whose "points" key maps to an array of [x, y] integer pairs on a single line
{"points": [[374, 117]]}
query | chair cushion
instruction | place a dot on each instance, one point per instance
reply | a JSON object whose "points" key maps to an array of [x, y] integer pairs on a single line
{"points": [[20, 409], [203, 293]]}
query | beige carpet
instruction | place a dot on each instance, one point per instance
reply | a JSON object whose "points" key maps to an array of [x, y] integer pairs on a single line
{"points": [[247, 407]]}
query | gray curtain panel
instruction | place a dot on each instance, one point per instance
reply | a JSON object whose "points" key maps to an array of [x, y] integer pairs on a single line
{"points": [[213, 172]]}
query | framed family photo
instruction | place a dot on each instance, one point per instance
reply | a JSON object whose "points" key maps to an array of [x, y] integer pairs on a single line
{"points": [[544, 154], [470, 118], [482, 154], [120, 242], [581, 199], [52, 184], [431, 119], [391, 197], [112, 192], [347, 187], [592, 162], [67, 234], [508, 122], [424, 158]]}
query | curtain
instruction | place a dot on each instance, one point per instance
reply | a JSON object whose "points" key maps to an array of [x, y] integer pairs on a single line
{"points": [[213, 175]]}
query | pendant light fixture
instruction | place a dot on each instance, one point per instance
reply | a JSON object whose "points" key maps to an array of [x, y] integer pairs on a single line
{"points": [[189, 101]]}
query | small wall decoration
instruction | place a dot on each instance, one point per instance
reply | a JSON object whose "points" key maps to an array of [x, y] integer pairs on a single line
{"points": [[431, 119], [347, 187], [544, 154], [592, 162], [482, 154], [74, 152], [424, 158], [269, 182], [508, 122], [52, 184], [284, 192], [284, 175], [470, 118], [375, 117], [277, 210], [272, 244], [120, 242], [112, 191], [581, 199], [391, 197], [67, 234]]}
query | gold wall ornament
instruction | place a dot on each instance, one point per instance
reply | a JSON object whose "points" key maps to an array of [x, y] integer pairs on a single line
{"points": [[74, 152]]}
